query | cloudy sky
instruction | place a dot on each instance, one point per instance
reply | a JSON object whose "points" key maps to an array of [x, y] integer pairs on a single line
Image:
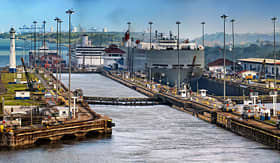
{"points": [[251, 15]]}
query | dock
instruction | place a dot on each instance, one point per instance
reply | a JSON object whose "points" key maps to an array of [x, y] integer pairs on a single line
{"points": [[49, 128], [208, 110]]}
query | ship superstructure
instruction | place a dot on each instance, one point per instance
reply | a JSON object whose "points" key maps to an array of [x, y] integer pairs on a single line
{"points": [[161, 59]]}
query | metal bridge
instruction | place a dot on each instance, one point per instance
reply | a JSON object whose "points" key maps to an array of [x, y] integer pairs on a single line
{"points": [[121, 101]]}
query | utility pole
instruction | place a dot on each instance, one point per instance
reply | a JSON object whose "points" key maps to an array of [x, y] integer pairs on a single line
{"points": [[69, 12], [178, 50], [274, 53], [232, 50], [224, 17]]}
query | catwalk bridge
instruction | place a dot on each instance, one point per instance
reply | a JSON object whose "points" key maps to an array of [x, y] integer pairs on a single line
{"points": [[122, 101]]}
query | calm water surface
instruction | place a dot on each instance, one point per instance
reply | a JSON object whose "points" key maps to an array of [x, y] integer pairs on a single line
{"points": [[146, 134]]}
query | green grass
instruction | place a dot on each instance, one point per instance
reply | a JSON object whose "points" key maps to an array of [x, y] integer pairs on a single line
{"points": [[21, 102], [270, 121], [11, 88]]}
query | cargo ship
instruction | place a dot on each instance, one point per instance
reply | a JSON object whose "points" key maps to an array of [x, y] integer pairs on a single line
{"points": [[159, 59], [46, 58]]}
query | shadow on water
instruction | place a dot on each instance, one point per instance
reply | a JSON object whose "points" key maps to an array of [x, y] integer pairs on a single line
{"points": [[91, 137]]}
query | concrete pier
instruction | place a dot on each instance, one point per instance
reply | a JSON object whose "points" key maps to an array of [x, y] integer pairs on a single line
{"points": [[208, 111]]}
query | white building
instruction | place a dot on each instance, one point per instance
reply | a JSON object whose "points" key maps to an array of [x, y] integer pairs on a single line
{"points": [[256, 64], [51, 29], [218, 65], [105, 29], [22, 94]]}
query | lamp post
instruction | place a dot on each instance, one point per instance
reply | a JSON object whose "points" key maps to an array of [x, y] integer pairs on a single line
{"points": [[44, 41], [69, 12], [232, 49], [150, 64], [203, 24], [60, 54], [56, 64], [274, 54], [128, 55], [224, 17], [178, 50], [34, 58]]}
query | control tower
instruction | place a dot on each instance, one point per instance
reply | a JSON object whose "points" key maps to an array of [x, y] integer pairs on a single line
{"points": [[12, 67]]}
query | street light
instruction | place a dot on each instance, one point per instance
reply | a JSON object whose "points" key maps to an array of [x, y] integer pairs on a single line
{"points": [[69, 12], [60, 54], [232, 49], [128, 55], [274, 54], [224, 17], [44, 41], [34, 58], [57, 20], [178, 50], [203, 23], [150, 69]]}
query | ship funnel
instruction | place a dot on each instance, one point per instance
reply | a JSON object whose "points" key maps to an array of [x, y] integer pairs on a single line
{"points": [[85, 40], [12, 66], [156, 33]]}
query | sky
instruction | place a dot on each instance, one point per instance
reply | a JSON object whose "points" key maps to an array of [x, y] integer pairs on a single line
{"points": [[252, 16]]}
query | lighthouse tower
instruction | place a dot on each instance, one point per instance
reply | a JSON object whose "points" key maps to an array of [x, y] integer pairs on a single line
{"points": [[12, 67]]}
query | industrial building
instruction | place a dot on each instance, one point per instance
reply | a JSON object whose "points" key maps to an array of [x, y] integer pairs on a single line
{"points": [[257, 64]]}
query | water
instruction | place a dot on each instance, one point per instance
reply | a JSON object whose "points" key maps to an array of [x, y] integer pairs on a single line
{"points": [[146, 134], [22, 49]]}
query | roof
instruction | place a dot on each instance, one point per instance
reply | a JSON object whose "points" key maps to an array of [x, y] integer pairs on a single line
{"points": [[220, 62], [114, 49], [259, 60]]}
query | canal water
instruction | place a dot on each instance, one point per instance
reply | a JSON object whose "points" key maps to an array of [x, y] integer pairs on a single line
{"points": [[145, 134]]}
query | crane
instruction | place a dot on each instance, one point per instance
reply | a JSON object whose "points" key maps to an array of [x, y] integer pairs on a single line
{"points": [[29, 82]]}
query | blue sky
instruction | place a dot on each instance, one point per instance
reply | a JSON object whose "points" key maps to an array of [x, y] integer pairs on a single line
{"points": [[250, 15]]}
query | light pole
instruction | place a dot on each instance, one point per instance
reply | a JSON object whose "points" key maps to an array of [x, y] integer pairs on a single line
{"points": [[232, 49], [60, 54], [34, 58], [178, 50], [128, 55], [224, 17], [150, 68], [274, 54], [203, 24], [44, 41], [69, 12], [56, 64]]}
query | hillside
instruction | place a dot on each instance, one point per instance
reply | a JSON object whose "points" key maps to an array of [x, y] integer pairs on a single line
{"points": [[217, 39]]}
